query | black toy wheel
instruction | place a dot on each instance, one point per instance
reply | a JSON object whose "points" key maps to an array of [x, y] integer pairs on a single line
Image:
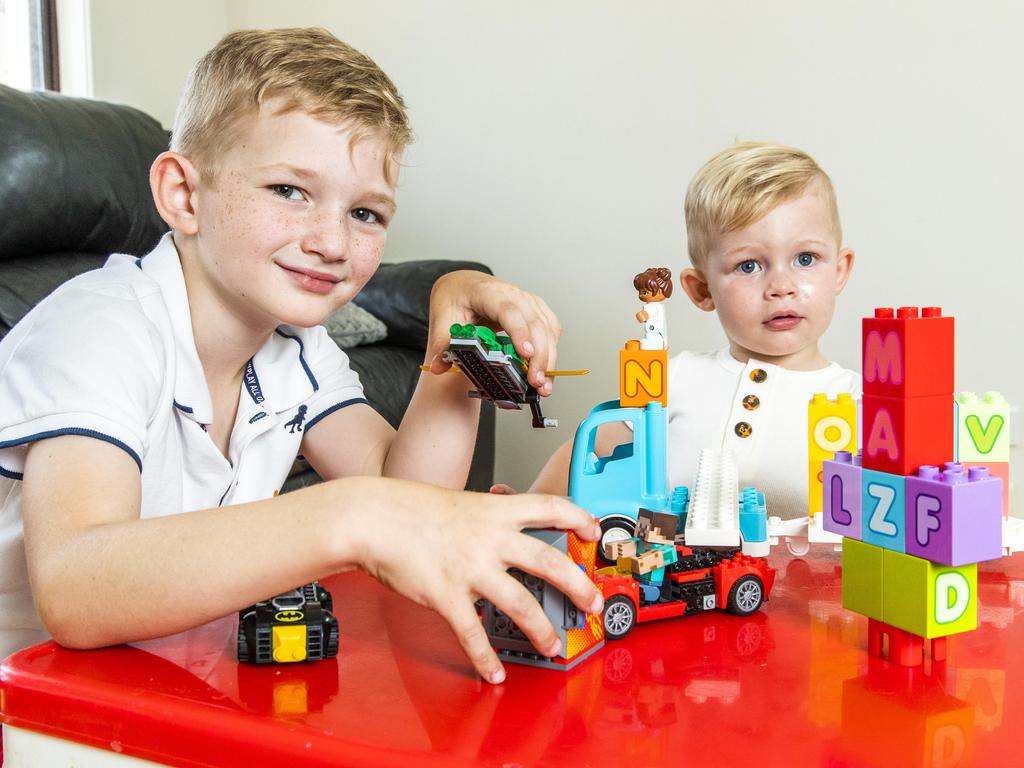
{"points": [[619, 617], [614, 529], [746, 595]]}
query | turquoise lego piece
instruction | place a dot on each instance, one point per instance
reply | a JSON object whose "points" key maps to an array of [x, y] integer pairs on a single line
{"points": [[884, 508], [753, 515]]}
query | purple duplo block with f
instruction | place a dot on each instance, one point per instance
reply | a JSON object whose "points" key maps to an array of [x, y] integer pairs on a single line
{"points": [[840, 484], [954, 517]]}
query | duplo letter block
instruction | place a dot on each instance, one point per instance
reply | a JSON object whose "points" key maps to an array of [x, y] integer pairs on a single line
{"points": [[643, 375], [954, 517], [841, 478], [928, 599], [862, 578], [902, 434], [831, 427], [908, 353], [1000, 469], [983, 427], [883, 509]]}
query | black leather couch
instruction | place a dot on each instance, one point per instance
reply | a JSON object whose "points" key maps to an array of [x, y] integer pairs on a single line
{"points": [[74, 188]]}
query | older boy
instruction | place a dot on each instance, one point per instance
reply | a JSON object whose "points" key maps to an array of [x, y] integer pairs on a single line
{"points": [[152, 408], [766, 250]]}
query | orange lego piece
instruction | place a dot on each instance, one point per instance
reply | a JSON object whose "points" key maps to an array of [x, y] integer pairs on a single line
{"points": [[643, 375]]}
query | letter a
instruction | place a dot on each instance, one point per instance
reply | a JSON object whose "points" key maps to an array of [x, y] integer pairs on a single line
{"points": [[883, 436]]}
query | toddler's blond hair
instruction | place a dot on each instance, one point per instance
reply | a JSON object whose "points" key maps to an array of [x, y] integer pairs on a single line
{"points": [[741, 184], [309, 67]]}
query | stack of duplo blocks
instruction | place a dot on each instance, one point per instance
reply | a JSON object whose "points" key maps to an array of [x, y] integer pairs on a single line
{"points": [[915, 522]]}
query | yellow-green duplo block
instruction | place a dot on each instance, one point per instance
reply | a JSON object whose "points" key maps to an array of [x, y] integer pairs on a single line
{"points": [[926, 598], [862, 578]]}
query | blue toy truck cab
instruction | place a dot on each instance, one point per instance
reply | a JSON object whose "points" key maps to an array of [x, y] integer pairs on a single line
{"points": [[615, 488]]}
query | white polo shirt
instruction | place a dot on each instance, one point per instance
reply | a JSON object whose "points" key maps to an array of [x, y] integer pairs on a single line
{"points": [[111, 355], [706, 409]]}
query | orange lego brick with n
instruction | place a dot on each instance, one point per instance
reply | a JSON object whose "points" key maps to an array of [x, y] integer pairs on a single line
{"points": [[643, 375]]}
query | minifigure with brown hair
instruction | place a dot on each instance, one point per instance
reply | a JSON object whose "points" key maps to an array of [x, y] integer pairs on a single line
{"points": [[654, 286]]}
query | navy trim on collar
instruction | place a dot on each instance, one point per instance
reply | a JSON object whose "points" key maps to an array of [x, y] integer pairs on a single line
{"points": [[332, 409], [180, 407], [75, 431], [309, 373], [252, 383], [11, 474]]}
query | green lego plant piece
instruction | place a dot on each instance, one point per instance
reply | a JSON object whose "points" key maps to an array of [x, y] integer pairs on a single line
{"points": [[983, 427], [862, 578], [929, 599]]}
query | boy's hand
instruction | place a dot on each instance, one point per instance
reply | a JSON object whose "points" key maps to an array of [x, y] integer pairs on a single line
{"points": [[447, 549], [470, 297]]}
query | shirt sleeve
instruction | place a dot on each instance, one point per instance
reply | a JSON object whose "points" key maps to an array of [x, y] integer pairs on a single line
{"points": [[80, 364], [338, 385]]}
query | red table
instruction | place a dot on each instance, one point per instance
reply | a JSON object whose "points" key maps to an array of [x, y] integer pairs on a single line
{"points": [[791, 685]]}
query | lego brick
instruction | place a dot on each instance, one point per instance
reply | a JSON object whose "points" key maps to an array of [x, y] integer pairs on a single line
{"points": [[983, 427], [928, 599], [712, 519], [883, 510], [902, 434], [954, 517], [908, 353], [579, 632], [643, 375], [831, 427], [841, 479], [862, 578], [1000, 469]]}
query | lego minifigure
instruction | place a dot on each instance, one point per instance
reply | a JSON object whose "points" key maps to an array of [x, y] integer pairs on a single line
{"points": [[654, 286]]}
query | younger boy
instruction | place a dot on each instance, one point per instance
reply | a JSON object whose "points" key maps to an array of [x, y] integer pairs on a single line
{"points": [[152, 408], [766, 251]]}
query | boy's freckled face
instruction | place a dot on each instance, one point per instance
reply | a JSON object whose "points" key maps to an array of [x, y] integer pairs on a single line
{"points": [[774, 283], [294, 221]]}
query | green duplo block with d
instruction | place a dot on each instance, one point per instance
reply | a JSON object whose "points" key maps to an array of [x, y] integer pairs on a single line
{"points": [[926, 598], [862, 578]]}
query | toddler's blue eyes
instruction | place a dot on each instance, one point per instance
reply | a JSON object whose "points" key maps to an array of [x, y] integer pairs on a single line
{"points": [[806, 259], [748, 267], [286, 191], [365, 214]]}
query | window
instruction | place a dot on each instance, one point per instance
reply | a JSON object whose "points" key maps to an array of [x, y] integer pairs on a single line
{"points": [[28, 44]]}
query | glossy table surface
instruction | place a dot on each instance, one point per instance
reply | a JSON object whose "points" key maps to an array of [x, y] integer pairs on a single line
{"points": [[791, 685]]}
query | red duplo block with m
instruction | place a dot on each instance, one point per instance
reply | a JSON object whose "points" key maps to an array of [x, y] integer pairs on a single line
{"points": [[908, 353], [908, 389]]}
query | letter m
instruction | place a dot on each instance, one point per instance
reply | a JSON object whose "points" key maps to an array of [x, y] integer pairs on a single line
{"points": [[883, 359]]}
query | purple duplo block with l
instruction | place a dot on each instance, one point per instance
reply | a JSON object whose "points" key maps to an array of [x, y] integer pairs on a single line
{"points": [[954, 517], [841, 502]]}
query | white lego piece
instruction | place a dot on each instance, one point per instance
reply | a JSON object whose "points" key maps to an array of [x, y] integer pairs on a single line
{"points": [[1013, 535], [713, 516]]}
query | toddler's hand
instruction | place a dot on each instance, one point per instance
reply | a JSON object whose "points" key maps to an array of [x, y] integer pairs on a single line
{"points": [[446, 549], [470, 297], [502, 490]]}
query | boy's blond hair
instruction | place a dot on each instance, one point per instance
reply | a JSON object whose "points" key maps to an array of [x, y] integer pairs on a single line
{"points": [[309, 67], [741, 184]]}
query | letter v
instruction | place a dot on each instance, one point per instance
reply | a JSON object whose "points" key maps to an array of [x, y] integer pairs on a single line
{"points": [[984, 439]]}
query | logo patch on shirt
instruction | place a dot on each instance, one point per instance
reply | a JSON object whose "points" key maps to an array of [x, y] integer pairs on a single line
{"points": [[296, 421]]}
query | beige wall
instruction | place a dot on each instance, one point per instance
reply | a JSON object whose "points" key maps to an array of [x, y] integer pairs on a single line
{"points": [[555, 142]]}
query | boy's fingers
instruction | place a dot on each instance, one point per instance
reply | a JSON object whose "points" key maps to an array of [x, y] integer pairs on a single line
{"points": [[502, 490], [543, 511], [512, 599], [555, 568], [471, 636]]}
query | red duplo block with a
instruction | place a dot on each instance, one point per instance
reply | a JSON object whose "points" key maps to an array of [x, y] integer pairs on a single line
{"points": [[902, 434], [908, 352]]}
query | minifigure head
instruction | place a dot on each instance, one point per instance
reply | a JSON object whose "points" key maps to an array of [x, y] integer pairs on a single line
{"points": [[765, 244], [280, 181], [654, 284]]}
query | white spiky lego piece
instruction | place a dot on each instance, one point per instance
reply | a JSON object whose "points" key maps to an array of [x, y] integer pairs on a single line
{"points": [[712, 519]]}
